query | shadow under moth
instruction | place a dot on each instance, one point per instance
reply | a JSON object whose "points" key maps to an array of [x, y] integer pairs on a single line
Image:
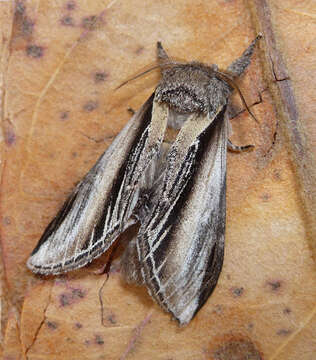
{"points": [[176, 192]]}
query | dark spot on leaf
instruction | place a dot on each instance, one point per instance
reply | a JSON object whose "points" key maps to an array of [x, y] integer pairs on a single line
{"points": [[72, 297], [6, 220], [74, 154], [52, 325], [139, 50], [218, 309], [90, 106], [274, 285], [78, 293], [64, 115], [67, 21], [284, 332], [78, 325], [237, 350], [34, 51], [99, 340], [111, 319], [64, 299], [89, 22], [100, 76], [19, 7], [27, 26], [277, 174], [250, 326], [265, 197], [237, 291], [287, 310], [23, 26], [10, 137], [70, 5]]}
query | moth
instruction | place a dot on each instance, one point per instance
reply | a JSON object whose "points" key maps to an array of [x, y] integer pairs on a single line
{"points": [[175, 191]]}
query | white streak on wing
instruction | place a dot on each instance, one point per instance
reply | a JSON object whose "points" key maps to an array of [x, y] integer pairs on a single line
{"points": [[159, 268], [153, 261], [152, 234]]}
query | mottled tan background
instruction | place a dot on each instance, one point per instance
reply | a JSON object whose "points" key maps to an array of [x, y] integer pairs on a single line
{"points": [[60, 63]]}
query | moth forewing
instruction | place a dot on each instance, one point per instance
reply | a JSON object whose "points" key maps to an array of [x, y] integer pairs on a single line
{"points": [[181, 243], [175, 191], [89, 221]]}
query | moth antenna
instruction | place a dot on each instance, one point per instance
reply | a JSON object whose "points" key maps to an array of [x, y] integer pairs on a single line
{"points": [[160, 66], [134, 77], [231, 82]]}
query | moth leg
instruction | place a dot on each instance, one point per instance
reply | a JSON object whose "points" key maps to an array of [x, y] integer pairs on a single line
{"points": [[237, 148], [105, 269], [237, 67], [130, 265], [131, 111]]}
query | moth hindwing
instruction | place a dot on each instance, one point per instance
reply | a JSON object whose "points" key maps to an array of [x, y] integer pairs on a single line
{"points": [[176, 192]]}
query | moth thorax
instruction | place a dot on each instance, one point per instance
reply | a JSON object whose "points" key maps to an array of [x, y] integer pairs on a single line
{"points": [[184, 88]]}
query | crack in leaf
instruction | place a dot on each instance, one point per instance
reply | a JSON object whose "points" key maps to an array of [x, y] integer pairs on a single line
{"points": [[27, 349]]}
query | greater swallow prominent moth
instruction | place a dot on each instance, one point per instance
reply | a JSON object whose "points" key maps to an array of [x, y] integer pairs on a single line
{"points": [[176, 192]]}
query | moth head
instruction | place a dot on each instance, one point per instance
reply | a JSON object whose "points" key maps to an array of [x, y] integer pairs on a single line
{"points": [[187, 87], [191, 87]]}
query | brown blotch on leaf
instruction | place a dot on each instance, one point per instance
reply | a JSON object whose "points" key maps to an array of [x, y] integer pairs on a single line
{"points": [[100, 76], [237, 350], [34, 51], [67, 21], [99, 340], [64, 115], [274, 285], [90, 106], [70, 5], [90, 22], [237, 291], [52, 325]]}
